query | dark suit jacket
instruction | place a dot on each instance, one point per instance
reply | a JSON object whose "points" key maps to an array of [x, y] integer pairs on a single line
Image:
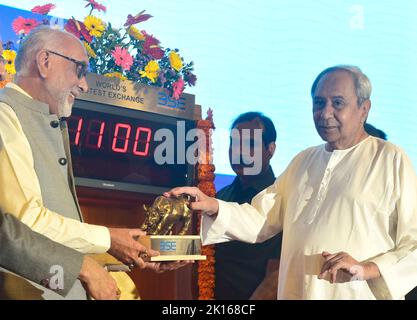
{"points": [[32, 255], [240, 267]]}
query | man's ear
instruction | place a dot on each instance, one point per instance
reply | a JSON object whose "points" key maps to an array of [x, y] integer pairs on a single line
{"points": [[43, 64], [366, 106], [271, 148]]}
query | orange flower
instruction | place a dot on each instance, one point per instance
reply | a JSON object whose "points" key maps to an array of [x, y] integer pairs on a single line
{"points": [[3, 83]]}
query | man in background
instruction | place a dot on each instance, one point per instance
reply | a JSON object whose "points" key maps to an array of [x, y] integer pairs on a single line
{"points": [[371, 130], [240, 267]]}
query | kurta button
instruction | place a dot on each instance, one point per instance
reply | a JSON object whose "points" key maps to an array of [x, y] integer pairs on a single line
{"points": [[62, 161], [54, 123]]}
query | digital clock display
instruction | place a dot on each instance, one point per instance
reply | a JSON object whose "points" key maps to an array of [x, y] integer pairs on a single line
{"points": [[114, 147]]}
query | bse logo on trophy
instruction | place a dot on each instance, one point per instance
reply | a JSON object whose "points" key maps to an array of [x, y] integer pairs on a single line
{"points": [[161, 218]]}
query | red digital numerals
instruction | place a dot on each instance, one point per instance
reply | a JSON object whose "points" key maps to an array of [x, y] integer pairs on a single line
{"points": [[121, 138]]}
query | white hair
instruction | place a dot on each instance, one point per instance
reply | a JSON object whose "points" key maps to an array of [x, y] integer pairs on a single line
{"points": [[363, 87], [39, 38]]}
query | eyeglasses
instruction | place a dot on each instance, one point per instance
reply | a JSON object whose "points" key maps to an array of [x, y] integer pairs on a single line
{"points": [[82, 67]]}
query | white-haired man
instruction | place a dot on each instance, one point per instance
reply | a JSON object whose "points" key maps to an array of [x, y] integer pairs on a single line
{"points": [[348, 208], [35, 165]]}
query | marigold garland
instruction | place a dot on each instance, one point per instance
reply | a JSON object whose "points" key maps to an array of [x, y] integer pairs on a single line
{"points": [[205, 178], [3, 83]]}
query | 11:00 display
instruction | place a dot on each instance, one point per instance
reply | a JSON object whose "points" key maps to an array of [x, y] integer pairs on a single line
{"points": [[89, 133]]}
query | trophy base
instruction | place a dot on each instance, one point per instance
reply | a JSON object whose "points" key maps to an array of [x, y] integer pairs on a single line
{"points": [[174, 247]]}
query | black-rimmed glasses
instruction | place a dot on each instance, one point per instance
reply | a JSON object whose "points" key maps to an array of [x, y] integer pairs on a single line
{"points": [[82, 67]]}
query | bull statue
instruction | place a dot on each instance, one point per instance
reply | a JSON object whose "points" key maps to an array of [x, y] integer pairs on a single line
{"points": [[165, 212]]}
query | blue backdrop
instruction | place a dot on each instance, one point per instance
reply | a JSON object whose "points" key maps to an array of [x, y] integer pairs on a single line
{"points": [[264, 55]]}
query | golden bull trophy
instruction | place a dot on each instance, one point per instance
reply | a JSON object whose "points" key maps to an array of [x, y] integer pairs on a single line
{"points": [[162, 217]]}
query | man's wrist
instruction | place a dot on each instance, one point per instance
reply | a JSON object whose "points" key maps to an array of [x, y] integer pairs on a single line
{"points": [[85, 269], [370, 270], [216, 208]]}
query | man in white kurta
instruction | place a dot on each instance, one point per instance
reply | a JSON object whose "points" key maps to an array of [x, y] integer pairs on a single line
{"points": [[348, 208], [361, 200]]}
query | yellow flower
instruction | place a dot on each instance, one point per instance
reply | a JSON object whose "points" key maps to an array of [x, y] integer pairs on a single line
{"points": [[151, 71], [94, 25], [135, 33], [9, 57], [175, 61], [89, 50], [115, 75]]}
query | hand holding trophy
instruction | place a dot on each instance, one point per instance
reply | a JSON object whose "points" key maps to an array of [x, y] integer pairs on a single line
{"points": [[161, 218]]}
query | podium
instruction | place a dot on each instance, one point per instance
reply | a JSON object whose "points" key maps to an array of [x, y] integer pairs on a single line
{"points": [[117, 131]]}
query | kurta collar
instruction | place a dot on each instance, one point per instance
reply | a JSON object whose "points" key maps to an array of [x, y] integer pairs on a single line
{"points": [[28, 101], [342, 152]]}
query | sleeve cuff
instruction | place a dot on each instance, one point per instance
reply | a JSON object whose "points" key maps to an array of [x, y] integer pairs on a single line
{"points": [[381, 286], [72, 271], [100, 237], [213, 229]]}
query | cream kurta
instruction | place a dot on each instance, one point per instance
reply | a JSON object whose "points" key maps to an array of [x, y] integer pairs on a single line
{"points": [[21, 193], [361, 200]]}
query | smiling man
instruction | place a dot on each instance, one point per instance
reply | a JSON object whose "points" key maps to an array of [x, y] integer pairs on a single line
{"points": [[339, 114], [347, 208]]}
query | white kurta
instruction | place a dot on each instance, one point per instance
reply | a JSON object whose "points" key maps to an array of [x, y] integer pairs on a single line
{"points": [[362, 200]]}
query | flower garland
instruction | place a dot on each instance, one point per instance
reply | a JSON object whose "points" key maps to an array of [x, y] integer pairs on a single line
{"points": [[205, 178], [3, 83]]}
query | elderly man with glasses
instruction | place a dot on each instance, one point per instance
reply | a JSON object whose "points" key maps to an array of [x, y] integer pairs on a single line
{"points": [[36, 180]]}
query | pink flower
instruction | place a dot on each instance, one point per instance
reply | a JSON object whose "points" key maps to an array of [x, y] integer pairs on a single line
{"points": [[22, 25], [96, 5], [140, 17], [151, 47], [78, 29], [177, 88], [122, 58], [43, 9]]}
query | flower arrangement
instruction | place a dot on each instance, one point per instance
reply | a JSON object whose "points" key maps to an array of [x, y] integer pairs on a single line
{"points": [[9, 56], [7, 68], [126, 53]]}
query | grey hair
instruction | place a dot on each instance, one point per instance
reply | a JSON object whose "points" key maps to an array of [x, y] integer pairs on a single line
{"points": [[38, 39], [363, 87]]}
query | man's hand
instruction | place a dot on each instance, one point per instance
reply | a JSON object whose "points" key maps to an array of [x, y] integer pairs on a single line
{"points": [[97, 282], [202, 202], [125, 248], [350, 269]]}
